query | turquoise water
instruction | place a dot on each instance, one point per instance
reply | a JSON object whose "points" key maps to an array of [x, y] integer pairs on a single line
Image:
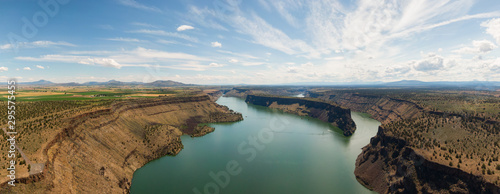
{"points": [[268, 152]]}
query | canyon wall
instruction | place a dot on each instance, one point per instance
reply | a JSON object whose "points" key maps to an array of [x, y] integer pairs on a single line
{"points": [[383, 109], [99, 151], [327, 112], [237, 92], [389, 164]]}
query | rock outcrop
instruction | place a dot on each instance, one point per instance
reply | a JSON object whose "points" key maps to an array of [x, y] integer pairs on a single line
{"points": [[327, 112], [389, 165]]}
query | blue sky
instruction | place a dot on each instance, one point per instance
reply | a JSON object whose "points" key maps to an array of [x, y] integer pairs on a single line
{"points": [[253, 42]]}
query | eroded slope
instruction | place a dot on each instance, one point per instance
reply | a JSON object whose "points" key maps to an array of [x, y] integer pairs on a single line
{"points": [[98, 151]]}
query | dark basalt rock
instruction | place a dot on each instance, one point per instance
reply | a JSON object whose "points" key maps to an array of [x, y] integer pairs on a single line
{"points": [[327, 112], [389, 165]]}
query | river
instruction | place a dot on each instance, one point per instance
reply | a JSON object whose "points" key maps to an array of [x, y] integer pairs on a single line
{"points": [[268, 152]]}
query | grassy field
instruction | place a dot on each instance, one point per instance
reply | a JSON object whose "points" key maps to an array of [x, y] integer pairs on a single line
{"points": [[89, 93]]}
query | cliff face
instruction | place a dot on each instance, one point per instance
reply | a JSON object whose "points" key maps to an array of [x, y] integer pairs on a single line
{"points": [[389, 165], [383, 109], [239, 93], [214, 94], [98, 151], [326, 112]]}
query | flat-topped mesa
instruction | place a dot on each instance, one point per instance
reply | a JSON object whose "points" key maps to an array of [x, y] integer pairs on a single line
{"points": [[325, 111]]}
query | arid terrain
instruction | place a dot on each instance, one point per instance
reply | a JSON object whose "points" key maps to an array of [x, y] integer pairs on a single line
{"points": [[95, 144], [434, 140]]}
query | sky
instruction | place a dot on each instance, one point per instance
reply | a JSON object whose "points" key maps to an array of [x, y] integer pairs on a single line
{"points": [[250, 41]]}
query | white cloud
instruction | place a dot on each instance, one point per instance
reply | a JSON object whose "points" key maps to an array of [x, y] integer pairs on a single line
{"points": [[167, 41], [144, 24], [36, 44], [204, 17], [252, 63], [246, 56], [103, 62], [184, 27], [50, 43], [144, 54], [265, 34], [189, 66], [493, 28], [397, 71], [27, 68], [335, 58], [164, 33], [2, 69], [308, 64], [370, 28], [285, 7], [216, 65], [40, 67], [233, 61], [73, 59], [135, 4], [140, 57], [6, 46], [124, 39], [264, 4], [292, 70], [431, 63], [216, 44], [479, 47]]}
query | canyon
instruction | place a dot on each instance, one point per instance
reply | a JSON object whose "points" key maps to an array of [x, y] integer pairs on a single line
{"points": [[99, 150], [396, 162]]}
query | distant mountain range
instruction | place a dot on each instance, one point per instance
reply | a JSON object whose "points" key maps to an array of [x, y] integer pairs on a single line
{"points": [[416, 83], [402, 83], [158, 83]]}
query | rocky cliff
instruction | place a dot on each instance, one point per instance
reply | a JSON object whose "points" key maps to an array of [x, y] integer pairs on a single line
{"points": [[390, 165], [238, 92], [406, 155], [98, 151], [383, 109], [327, 112]]}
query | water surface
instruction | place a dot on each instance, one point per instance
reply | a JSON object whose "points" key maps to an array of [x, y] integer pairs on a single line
{"points": [[268, 152]]}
